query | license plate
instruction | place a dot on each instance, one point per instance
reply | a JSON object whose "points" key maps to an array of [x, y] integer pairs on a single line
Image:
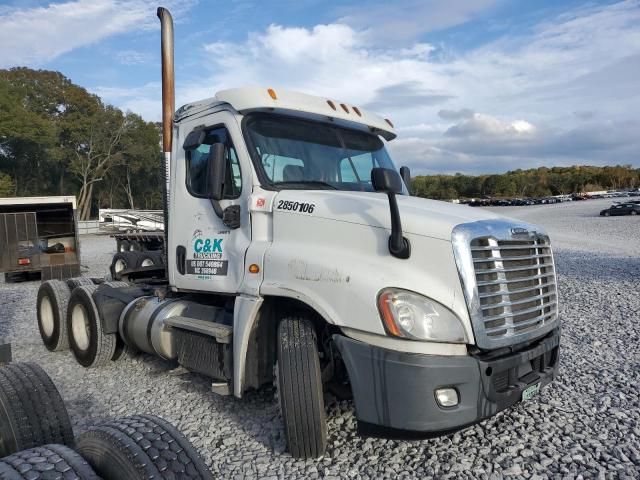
{"points": [[530, 392]]}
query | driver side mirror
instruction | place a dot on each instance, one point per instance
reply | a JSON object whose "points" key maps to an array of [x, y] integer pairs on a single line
{"points": [[386, 180], [216, 171]]}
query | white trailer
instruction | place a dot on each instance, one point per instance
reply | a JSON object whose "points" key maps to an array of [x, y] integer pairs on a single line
{"points": [[296, 255]]}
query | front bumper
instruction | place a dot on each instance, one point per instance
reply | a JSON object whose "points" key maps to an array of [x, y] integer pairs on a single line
{"points": [[394, 392]]}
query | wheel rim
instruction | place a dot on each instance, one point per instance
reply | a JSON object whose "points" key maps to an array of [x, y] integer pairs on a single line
{"points": [[120, 265], [46, 316], [80, 326], [147, 262]]}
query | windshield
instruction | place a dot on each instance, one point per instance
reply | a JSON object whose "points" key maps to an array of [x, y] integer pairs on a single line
{"points": [[301, 154]]}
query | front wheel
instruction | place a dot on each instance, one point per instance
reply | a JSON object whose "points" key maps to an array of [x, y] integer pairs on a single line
{"points": [[300, 388], [633, 212]]}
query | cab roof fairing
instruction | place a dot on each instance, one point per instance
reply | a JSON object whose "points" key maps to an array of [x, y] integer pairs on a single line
{"points": [[246, 100]]}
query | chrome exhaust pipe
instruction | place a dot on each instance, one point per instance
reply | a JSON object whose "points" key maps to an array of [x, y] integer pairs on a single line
{"points": [[168, 108]]}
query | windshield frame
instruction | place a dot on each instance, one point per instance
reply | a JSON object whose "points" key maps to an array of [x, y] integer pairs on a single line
{"points": [[264, 180]]}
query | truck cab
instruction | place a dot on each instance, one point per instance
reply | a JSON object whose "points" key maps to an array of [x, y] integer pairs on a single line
{"points": [[450, 333]]}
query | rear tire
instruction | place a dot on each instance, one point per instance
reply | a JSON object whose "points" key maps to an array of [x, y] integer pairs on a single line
{"points": [[300, 388], [49, 462], [633, 212], [90, 346], [79, 282], [141, 447], [51, 308], [32, 412]]}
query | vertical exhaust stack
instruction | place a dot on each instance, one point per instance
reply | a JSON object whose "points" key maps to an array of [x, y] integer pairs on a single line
{"points": [[168, 108]]}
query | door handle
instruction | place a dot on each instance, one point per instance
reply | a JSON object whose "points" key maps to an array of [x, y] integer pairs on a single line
{"points": [[181, 259]]}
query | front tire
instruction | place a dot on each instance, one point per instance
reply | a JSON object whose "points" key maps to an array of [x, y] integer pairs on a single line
{"points": [[300, 388], [91, 347]]}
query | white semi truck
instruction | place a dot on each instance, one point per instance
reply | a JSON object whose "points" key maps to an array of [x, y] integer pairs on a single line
{"points": [[295, 255]]}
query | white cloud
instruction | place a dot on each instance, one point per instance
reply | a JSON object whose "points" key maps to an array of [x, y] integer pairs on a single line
{"points": [[34, 36], [384, 22], [507, 104]]}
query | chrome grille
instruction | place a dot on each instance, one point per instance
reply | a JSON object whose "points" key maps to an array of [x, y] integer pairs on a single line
{"points": [[508, 276], [516, 284]]}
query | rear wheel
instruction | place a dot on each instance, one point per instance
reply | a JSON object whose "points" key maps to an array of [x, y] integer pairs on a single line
{"points": [[300, 388], [49, 462], [79, 282], [633, 212], [91, 347], [141, 447], [51, 308], [32, 412]]}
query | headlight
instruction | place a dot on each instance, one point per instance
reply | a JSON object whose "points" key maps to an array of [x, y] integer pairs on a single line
{"points": [[409, 315]]}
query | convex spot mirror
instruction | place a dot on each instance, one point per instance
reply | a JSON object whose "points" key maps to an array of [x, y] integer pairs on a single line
{"points": [[216, 171], [386, 180]]}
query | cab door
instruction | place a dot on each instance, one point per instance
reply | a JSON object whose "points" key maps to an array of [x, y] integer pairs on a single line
{"points": [[207, 252]]}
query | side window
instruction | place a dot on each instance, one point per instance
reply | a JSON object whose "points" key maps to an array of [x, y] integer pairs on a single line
{"points": [[197, 162]]}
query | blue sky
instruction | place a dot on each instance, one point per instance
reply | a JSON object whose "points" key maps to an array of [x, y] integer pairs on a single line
{"points": [[473, 86]]}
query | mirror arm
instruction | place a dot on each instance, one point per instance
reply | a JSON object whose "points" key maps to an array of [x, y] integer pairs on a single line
{"points": [[399, 246], [217, 208]]}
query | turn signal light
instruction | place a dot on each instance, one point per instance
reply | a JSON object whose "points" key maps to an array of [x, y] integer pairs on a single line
{"points": [[389, 122], [24, 261], [344, 107], [331, 104], [357, 110], [253, 268], [272, 93]]}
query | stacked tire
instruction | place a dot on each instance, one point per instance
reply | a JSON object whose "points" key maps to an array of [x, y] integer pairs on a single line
{"points": [[37, 443]]}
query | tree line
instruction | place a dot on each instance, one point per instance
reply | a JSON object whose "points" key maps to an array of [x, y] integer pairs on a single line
{"points": [[538, 182], [58, 139]]}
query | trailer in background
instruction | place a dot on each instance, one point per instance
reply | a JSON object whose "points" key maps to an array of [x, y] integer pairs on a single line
{"points": [[39, 235]]}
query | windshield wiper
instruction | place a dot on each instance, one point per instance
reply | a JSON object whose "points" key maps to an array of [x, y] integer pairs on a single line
{"points": [[304, 183]]}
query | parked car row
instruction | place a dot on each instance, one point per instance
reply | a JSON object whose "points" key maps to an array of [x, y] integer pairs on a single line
{"points": [[508, 202]]}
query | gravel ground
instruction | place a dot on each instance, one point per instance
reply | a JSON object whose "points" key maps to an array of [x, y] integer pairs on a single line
{"points": [[585, 425]]}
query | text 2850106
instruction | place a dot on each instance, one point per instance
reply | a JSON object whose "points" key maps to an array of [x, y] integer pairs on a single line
{"points": [[295, 206]]}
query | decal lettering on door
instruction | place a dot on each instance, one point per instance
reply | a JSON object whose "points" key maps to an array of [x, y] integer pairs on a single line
{"points": [[207, 256]]}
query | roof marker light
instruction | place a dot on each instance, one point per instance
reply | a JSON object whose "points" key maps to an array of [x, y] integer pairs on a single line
{"points": [[272, 93], [389, 122], [344, 107], [357, 110], [331, 104]]}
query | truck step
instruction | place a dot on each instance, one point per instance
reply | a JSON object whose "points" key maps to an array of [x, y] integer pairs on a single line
{"points": [[221, 332]]}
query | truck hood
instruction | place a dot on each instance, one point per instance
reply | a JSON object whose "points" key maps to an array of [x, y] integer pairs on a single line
{"points": [[419, 216]]}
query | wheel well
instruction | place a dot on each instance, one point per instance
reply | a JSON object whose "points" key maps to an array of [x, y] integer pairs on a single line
{"points": [[261, 350]]}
